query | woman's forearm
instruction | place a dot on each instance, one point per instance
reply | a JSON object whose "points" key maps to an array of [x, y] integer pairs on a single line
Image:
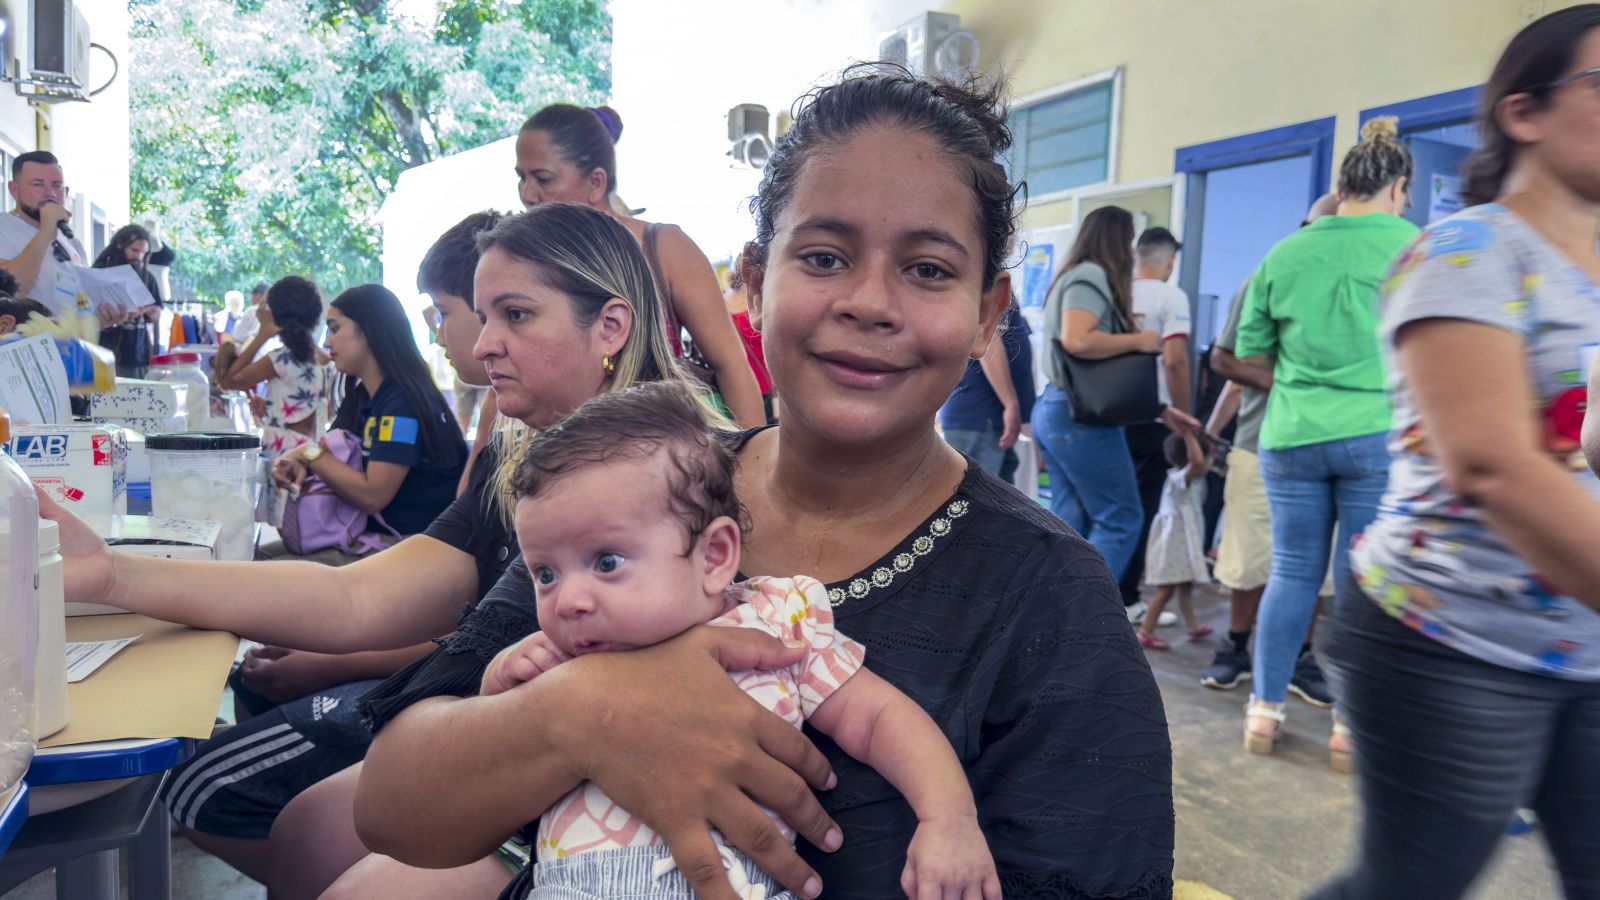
{"points": [[357, 486], [414, 593], [1101, 345], [740, 393], [477, 793]]}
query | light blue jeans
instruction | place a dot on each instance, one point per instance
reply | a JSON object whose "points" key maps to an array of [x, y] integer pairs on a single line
{"points": [[1311, 490], [1092, 485]]}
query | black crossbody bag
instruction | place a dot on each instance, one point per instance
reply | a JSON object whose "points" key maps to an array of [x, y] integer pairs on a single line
{"points": [[1117, 390]]}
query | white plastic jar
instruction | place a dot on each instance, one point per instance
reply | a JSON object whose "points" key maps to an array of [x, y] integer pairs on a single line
{"points": [[184, 368], [208, 475], [50, 667], [19, 612]]}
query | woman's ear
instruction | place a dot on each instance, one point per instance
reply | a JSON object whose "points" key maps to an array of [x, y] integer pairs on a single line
{"points": [[1518, 115], [991, 311], [717, 554], [599, 188], [754, 275], [8, 324], [613, 325]]}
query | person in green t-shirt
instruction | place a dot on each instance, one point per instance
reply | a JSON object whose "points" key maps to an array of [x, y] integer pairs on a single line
{"points": [[1311, 313]]}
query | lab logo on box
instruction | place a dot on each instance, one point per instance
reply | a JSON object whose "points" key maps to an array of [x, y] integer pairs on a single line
{"points": [[40, 447]]}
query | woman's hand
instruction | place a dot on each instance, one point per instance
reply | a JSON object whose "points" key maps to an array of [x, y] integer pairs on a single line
{"points": [[281, 675], [289, 470], [90, 570], [1149, 342], [668, 735], [1180, 421], [949, 858], [269, 325]]}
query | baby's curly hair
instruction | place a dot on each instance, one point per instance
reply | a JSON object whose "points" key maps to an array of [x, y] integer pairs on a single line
{"points": [[642, 421]]}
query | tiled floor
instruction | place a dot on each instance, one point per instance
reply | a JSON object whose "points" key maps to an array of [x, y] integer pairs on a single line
{"points": [[1249, 827]]}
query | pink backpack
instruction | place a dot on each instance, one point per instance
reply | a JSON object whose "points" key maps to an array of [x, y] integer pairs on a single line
{"points": [[318, 518]]}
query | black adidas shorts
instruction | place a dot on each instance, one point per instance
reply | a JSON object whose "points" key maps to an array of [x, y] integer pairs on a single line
{"points": [[237, 783]]}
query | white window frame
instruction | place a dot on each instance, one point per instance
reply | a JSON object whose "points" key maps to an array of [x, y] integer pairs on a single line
{"points": [[1113, 136]]}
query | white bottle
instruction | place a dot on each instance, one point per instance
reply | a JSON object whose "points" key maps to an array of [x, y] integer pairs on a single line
{"points": [[50, 668], [19, 612]]}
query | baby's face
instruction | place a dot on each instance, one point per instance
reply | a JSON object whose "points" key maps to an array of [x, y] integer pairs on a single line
{"points": [[607, 560]]}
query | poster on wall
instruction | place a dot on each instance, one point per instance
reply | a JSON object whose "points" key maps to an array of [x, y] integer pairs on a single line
{"points": [[1037, 268], [1445, 197]]}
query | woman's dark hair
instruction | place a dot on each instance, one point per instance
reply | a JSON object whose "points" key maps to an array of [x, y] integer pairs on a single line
{"points": [[1106, 239], [1376, 162], [8, 284], [21, 309], [450, 263], [115, 253], [587, 136], [967, 120], [383, 323], [1540, 54], [296, 306]]}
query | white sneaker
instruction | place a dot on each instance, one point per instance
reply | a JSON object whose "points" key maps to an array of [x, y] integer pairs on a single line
{"points": [[1136, 615]]}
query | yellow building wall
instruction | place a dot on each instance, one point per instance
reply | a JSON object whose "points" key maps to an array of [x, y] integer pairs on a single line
{"points": [[1202, 70]]}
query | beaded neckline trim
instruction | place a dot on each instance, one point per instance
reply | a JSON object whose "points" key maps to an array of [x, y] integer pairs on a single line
{"points": [[883, 576]]}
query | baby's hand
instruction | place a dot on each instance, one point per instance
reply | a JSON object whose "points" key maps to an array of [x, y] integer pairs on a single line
{"points": [[949, 858], [523, 661]]}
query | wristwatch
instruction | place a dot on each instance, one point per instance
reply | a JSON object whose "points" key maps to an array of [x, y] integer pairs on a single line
{"points": [[313, 453]]}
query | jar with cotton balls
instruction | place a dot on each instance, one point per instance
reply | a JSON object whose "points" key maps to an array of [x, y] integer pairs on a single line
{"points": [[208, 475]]}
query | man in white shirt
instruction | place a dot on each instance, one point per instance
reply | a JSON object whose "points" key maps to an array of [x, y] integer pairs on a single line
{"points": [[34, 246], [1161, 307]]}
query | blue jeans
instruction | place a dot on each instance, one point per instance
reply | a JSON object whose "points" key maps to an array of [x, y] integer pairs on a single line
{"points": [[1310, 490], [1092, 485], [983, 446]]}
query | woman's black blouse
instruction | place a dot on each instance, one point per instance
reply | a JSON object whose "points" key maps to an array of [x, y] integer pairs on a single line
{"points": [[1007, 627]]}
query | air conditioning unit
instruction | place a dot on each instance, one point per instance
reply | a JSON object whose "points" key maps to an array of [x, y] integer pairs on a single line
{"points": [[58, 52], [748, 125], [932, 44]]}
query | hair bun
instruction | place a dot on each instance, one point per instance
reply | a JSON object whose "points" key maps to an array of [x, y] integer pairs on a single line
{"points": [[610, 119], [1381, 128]]}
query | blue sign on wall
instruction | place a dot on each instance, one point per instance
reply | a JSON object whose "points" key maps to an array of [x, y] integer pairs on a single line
{"points": [[1037, 267]]}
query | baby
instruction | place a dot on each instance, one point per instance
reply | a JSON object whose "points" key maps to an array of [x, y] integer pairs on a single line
{"points": [[629, 526]]}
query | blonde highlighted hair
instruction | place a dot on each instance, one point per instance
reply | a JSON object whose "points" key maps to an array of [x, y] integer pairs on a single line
{"points": [[1379, 160], [591, 258]]}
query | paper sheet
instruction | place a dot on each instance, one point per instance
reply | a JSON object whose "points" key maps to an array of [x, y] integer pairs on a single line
{"points": [[84, 658], [33, 381], [119, 286]]}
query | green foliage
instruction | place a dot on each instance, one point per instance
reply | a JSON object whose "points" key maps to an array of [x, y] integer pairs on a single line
{"points": [[266, 133]]}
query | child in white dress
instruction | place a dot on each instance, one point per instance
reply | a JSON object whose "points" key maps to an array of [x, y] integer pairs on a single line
{"points": [[1175, 558], [628, 523]]}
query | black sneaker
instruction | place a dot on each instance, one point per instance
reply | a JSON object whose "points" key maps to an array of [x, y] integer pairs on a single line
{"points": [[1228, 668], [1309, 684]]}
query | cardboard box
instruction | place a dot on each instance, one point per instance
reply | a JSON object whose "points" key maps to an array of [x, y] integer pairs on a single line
{"points": [[84, 467], [136, 398], [167, 538], [145, 425]]}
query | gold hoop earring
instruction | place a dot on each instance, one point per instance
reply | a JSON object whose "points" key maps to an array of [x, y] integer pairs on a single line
{"points": [[607, 366]]}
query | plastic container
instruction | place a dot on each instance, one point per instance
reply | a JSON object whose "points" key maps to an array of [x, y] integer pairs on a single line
{"points": [[208, 475], [50, 666], [184, 368], [19, 612]]}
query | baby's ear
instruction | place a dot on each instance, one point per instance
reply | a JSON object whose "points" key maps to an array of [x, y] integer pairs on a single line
{"points": [[719, 548]]}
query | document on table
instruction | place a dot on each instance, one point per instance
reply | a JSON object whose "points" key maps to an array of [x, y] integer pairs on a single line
{"points": [[118, 286], [33, 381], [84, 658]]}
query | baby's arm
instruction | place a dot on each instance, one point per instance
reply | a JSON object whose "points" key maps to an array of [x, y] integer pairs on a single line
{"points": [[521, 662], [874, 722]]}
